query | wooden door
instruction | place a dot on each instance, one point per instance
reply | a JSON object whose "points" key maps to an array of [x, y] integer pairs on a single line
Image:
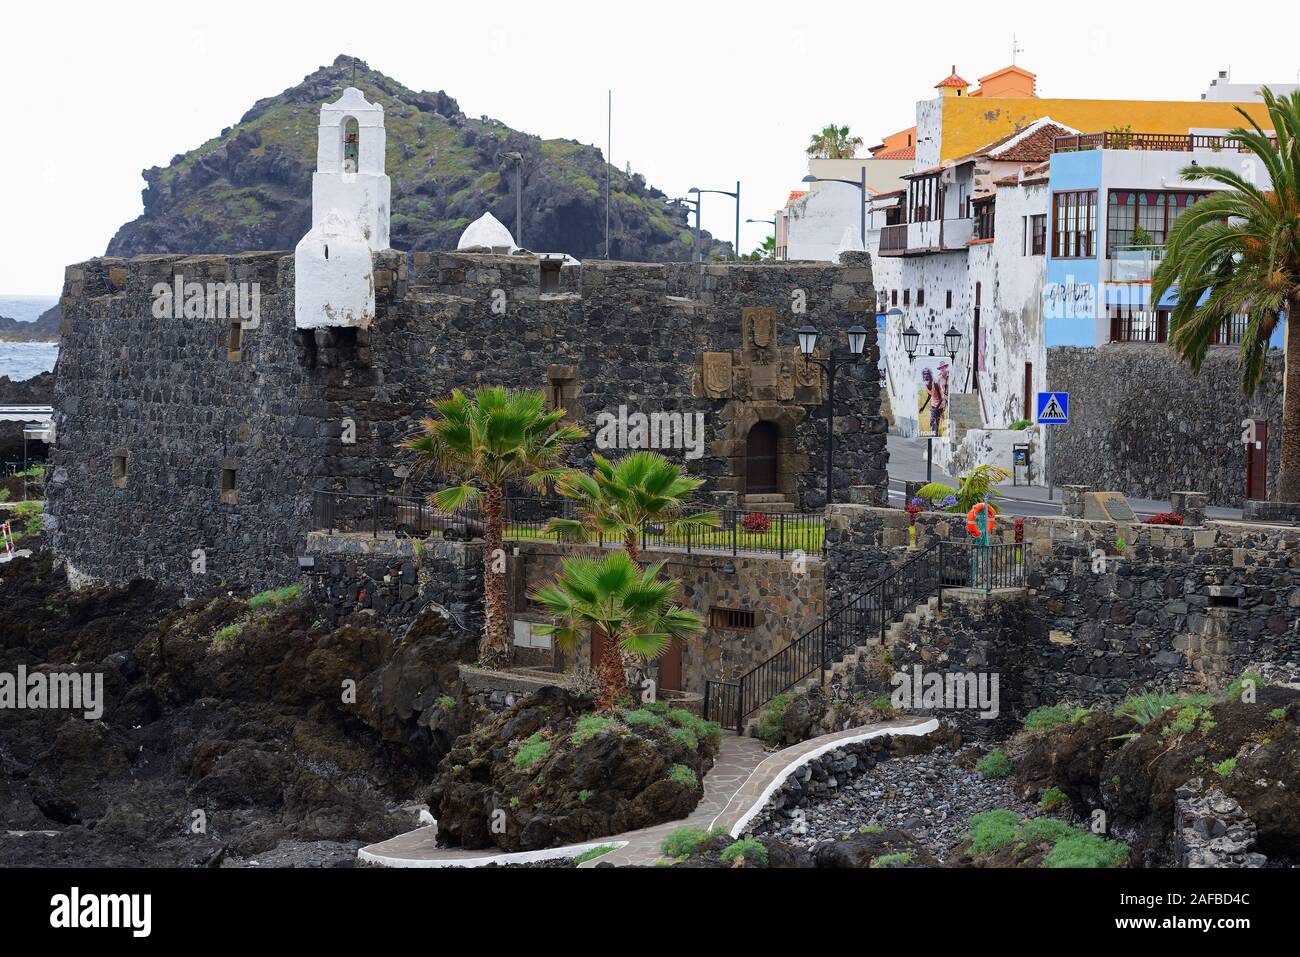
{"points": [[1029, 392], [761, 458], [1257, 463], [670, 668]]}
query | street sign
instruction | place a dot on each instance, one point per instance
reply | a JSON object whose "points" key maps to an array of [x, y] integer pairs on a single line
{"points": [[1053, 408]]}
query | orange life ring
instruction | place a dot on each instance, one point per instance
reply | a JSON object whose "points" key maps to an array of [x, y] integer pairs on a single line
{"points": [[973, 514]]}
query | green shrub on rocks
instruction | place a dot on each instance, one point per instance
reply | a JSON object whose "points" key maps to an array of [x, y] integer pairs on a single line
{"points": [[685, 841], [771, 721], [704, 730], [995, 764], [275, 597], [1053, 716], [746, 847], [684, 776], [1235, 689], [642, 718], [684, 736], [531, 751], [1050, 799], [1070, 846], [1225, 768], [889, 860], [590, 725]]}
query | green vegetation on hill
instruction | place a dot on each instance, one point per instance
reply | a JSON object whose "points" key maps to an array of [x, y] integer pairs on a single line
{"points": [[249, 188]]}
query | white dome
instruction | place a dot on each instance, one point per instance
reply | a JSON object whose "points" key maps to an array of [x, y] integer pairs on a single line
{"points": [[487, 231]]}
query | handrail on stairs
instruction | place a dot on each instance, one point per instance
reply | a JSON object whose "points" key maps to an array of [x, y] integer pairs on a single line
{"points": [[855, 621]]}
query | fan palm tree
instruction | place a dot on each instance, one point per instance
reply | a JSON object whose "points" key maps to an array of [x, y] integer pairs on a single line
{"points": [[632, 607], [484, 443], [833, 142], [975, 487], [618, 499], [1237, 253]]}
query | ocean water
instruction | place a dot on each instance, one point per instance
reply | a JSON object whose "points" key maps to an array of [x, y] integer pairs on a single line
{"points": [[22, 360]]}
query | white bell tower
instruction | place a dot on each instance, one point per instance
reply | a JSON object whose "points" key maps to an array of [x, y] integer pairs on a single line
{"points": [[350, 200]]}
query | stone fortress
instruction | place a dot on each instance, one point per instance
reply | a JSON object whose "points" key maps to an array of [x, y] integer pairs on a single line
{"points": [[197, 441]]}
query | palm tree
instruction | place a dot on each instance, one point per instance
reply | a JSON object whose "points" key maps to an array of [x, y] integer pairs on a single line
{"points": [[975, 487], [633, 608], [833, 142], [618, 499], [1237, 252], [496, 438]]}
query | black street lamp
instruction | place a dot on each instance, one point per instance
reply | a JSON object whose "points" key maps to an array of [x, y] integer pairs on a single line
{"points": [[833, 362], [721, 192], [862, 185], [912, 342]]}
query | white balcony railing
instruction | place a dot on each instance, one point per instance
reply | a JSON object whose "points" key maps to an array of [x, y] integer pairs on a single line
{"points": [[1135, 263]]}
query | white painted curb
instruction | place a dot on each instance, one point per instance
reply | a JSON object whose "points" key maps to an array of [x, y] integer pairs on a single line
{"points": [[739, 828]]}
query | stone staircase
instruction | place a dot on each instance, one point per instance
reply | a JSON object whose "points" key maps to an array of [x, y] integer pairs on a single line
{"points": [[769, 502], [926, 611]]}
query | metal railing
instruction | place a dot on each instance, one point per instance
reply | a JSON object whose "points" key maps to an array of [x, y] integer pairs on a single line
{"points": [[739, 530], [1166, 142], [865, 617]]}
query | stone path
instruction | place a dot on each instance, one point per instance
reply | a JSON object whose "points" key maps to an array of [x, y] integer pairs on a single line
{"points": [[735, 789]]}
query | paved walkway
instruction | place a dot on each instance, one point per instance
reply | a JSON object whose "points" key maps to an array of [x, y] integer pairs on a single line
{"points": [[735, 789]]}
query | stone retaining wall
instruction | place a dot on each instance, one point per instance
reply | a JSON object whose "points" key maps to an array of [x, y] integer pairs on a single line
{"points": [[1143, 425], [1177, 608]]}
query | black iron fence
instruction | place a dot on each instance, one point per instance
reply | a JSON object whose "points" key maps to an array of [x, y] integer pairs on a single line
{"points": [[737, 530], [863, 618]]}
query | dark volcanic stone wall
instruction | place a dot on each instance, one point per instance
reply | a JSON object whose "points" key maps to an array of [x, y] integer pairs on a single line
{"points": [[1142, 424], [1179, 608], [168, 395]]}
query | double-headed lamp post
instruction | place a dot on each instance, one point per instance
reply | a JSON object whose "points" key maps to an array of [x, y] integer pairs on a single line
{"points": [[833, 362], [951, 345], [721, 192], [518, 159]]}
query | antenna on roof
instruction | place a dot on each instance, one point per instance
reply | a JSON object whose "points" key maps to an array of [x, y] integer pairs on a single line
{"points": [[1015, 48]]}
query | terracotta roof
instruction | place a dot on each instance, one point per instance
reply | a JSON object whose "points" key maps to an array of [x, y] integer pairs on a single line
{"points": [[1033, 144], [899, 153], [951, 80], [796, 194]]}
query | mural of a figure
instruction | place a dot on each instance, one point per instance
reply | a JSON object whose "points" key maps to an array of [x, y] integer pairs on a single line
{"points": [[932, 400]]}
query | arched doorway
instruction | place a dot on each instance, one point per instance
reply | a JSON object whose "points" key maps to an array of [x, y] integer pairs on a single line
{"points": [[761, 459]]}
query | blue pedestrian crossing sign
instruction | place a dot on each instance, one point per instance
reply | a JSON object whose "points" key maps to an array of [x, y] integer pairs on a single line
{"points": [[1053, 408]]}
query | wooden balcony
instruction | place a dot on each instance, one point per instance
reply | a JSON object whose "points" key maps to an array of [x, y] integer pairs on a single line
{"points": [[893, 240]]}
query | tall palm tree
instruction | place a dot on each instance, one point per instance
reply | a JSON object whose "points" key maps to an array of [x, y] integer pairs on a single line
{"points": [[1237, 252], [833, 142], [633, 608], [498, 437], [618, 499]]}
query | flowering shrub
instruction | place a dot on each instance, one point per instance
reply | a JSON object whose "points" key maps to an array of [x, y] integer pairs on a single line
{"points": [[1020, 530], [913, 510], [1165, 518], [758, 522]]}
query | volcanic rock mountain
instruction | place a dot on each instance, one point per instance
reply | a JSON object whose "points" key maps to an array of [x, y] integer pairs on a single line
{"points": [[249, 188]]}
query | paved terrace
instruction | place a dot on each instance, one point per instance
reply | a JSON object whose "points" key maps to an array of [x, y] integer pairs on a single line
{"points": [[742, 779]]}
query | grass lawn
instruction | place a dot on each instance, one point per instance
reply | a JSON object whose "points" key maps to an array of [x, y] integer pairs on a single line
{"points": [[805, 535]]}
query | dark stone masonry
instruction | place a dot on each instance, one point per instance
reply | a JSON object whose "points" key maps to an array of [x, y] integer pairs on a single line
{"points": [[187, 456], [1176, 608], [1142, 424]]}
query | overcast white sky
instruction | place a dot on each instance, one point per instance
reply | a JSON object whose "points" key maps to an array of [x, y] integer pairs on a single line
{"points": [[704, 93]]}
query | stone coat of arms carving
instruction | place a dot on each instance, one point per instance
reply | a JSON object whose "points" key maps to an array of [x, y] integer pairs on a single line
{"points": [[717, 375], [759, 323]]}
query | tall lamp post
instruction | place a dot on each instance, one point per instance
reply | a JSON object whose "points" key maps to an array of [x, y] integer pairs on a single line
{"points": [[518, 160], [721, 192], [695, 256], [833, 362], [772, 222], [862, 185]]}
